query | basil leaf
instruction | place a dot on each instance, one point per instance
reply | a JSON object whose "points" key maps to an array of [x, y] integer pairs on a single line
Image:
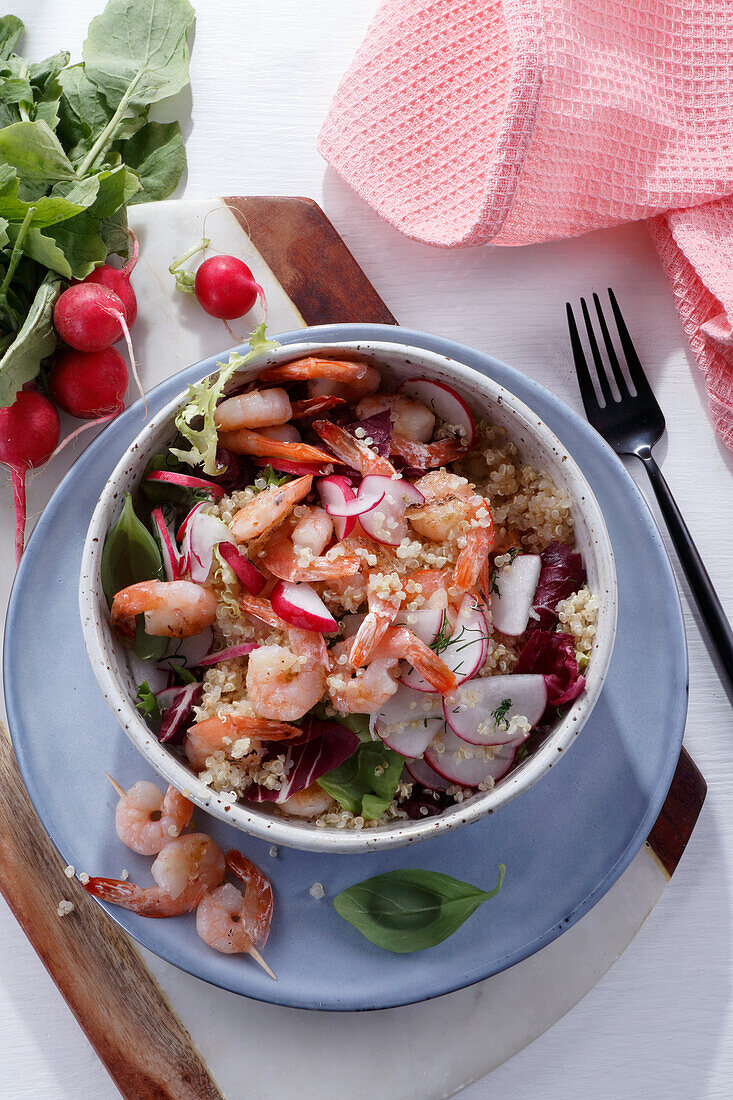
{"points": [[130, 553], [148, 647], [33, 343], [366, 783], [139, 49], [158, 155], [411, 910]]}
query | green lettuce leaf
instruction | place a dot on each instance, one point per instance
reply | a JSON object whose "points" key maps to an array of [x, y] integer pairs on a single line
{"points": [[366, 783]]}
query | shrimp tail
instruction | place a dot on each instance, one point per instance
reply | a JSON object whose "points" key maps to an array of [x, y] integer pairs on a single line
{"points": [[312, 406], [340, 370], [261, 609], [426, 456], [473, 558], [432, 667], [125, 894], [258, 896]]}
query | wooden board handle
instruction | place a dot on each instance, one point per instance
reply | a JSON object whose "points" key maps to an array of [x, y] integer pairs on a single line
{"points": [[145, 1048]]}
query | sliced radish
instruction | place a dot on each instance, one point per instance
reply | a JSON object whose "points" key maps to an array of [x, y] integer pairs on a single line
{"points": [[478, 712], [457, 764], [426, 776], [362, 503], [386, 523], [425, 623], [247, 573], [444, 402], [203, 533], [290, 466], [465, 650], [409, 721], [185, 481], [180, 533], [513, 595], [172, 559], [301, 606], [228, 654], [189, 651], [337, 489]]}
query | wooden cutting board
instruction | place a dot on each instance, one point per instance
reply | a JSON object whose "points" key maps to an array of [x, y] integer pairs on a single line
{"points": [[145, 1048]]}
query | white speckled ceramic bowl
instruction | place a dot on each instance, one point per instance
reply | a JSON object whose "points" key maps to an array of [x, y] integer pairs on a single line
{"points": [[113, 664]]}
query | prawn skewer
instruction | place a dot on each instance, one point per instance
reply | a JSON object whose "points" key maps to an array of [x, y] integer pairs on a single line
{"points": [[146, 820], [233, 922]]}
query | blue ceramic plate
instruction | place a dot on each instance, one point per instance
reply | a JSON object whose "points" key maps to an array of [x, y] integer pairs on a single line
{"points": [[564, 842]]}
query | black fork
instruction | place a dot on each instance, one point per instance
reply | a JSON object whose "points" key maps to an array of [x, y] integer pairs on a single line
{"points": [[632, 423]]}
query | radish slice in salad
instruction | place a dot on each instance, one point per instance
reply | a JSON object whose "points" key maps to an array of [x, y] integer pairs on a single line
{"points": [[444, 402], [301, 606], [228, 654], [203, 533], [480, 712], [172, 560], [247, 573], [386, 523], [291, 466], [409, 721], [426, 776], [426, 623], [181, 532], [360, 504], [189, 651], [185, 481], [456, 763], [337, 490], [513, 594], [464, 650]]}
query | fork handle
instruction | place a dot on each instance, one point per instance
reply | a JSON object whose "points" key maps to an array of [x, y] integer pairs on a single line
{"points": [[711, 609]]}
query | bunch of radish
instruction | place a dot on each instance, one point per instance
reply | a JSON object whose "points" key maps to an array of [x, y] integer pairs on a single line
{"points": [[88, 378]]}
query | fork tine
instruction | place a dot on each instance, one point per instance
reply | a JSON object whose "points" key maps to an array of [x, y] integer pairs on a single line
{"points": [[600, 369], [636, 371], [623, 389], [587, 392]]}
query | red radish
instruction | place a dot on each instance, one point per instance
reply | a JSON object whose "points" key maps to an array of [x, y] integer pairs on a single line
{"points": [[481, 711], [301, 606], [456, 763], [29, 432], [444, 402], [426, 623], [359, 505], [180, 533], [464, 651], [117, 279], [203, 533], [386, 523], [88, 317], [286, 466], [185, 481], [409, 721], [426, 776], [228, 654], [172, 560], [226, 288], [89, 384], [513, 594], [337, 488], [247, 573]]}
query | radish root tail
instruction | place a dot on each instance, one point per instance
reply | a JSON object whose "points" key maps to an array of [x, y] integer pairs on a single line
{"points": [[19, 501]]}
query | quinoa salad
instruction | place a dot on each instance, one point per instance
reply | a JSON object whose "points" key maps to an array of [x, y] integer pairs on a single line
{"points": [[355, 603]]}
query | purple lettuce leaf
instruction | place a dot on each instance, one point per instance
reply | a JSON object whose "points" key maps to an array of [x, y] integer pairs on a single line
{"points": [[562, 574], [553, 656], [322, 747], [378, 428]]}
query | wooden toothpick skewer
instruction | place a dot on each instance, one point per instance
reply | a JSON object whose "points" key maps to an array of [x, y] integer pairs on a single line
{"points": [[258, 959], [120, 790]]}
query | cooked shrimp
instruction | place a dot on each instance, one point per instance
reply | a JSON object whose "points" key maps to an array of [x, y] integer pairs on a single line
{"points": [[232, 922], [268, 508], [256, 409], [425, 456], [398, 641], [301, 561], [352, 451], [246, 442], [300, 370], [360, 691], [172, 609], [184, 871], [146, 820], [286, 433], [212, 735], [312, 406], [385, 596], [410, 419], [284, 682], [453, 509], [310, 802]]}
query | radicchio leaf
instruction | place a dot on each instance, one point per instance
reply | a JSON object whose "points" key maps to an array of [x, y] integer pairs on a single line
{"points": [[553, 655], [378, 428], [176, 704], [562, 574], [323, 747], [424, 803]]}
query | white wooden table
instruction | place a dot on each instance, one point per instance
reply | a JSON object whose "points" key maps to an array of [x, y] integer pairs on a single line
{"points": [[660, 1024]]}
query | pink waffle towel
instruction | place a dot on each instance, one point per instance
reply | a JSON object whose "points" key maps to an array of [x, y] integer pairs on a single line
{"points": [[465, 122]]}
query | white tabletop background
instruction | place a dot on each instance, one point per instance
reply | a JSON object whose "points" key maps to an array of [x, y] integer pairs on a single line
{"points": [[660, 1024]]}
